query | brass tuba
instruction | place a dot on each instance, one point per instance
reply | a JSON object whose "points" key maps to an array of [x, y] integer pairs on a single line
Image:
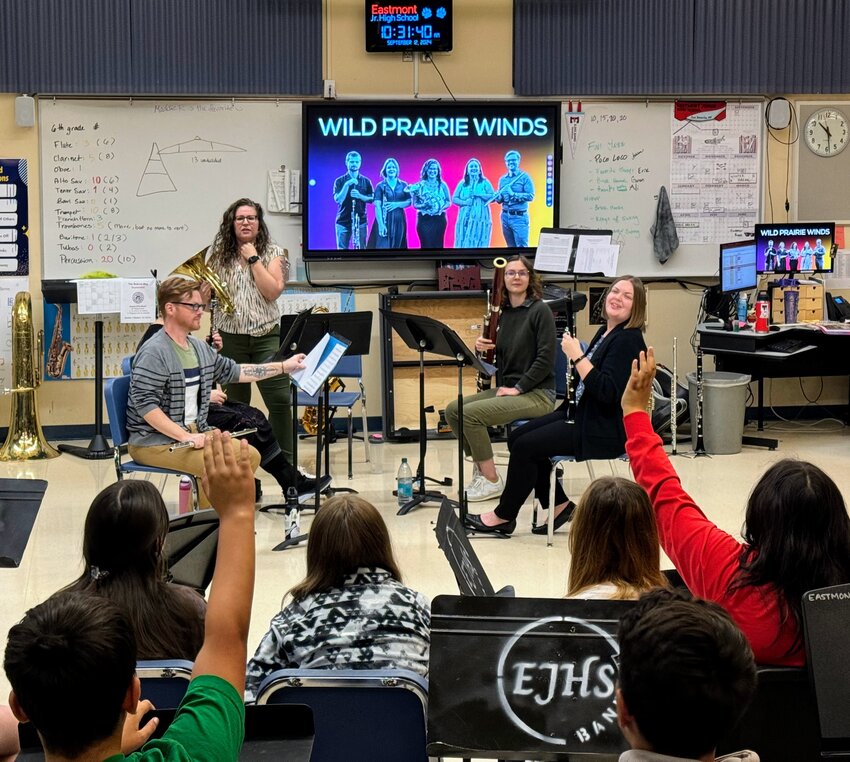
{"points": [[25, 440], [195, 267]]}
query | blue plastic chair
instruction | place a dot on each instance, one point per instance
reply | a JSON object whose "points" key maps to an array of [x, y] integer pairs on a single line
{"points": [[360, 715], [349, 366], [164, 681], [116, 392]]}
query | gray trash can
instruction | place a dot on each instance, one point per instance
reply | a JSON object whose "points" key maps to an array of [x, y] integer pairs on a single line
{"points": [[724, 398]]}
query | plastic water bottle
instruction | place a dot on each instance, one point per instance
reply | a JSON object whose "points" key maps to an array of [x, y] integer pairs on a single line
{"points": [[293, 514], [742, 311], [404, 482], [184, 500]]}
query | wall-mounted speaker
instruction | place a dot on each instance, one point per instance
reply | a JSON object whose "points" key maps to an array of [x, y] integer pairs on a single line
{"points": [[778, 113], [25, 111]]}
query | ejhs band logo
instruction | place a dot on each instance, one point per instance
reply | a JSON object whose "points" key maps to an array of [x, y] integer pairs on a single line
{"points": [[566, 698]]}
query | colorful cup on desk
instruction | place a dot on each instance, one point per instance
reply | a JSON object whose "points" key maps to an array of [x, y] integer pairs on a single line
{"points": [[791, 300]]}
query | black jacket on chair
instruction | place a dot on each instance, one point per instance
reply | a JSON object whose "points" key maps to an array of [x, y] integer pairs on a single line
{"points": [[599, 416]]}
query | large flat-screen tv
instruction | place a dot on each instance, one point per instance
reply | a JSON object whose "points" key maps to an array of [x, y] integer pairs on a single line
{"points": [[795, 247], [450, 181]]}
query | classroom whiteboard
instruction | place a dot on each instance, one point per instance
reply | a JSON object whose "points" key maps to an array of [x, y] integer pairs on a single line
{"points": [[131, 186], [615, 160]]}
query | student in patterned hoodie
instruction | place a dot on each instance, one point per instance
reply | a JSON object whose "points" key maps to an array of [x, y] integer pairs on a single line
{"points": [[351, 611]]}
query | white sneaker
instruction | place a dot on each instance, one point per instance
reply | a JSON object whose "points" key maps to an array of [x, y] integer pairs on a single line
{"points": [[482, 488]]}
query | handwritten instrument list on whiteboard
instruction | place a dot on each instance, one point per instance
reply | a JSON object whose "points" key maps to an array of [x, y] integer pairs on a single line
{"points": [[619, 172]]}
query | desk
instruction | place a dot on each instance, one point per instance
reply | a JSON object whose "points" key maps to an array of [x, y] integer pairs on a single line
{"points": [[749, 352]]}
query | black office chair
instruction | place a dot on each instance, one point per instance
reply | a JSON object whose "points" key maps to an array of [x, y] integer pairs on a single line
{"points": [[781, 723]]}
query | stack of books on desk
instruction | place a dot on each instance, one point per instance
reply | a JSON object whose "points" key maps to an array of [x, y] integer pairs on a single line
{"points": [[839, 329]]}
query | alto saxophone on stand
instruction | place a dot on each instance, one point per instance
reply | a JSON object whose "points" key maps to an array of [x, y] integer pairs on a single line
{"points": [[25, 440], [59, 348], [674, 401]]}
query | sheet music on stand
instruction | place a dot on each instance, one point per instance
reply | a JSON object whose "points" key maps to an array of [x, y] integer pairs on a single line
{"points": [[576, 251], [320, 362], [284, 191]]}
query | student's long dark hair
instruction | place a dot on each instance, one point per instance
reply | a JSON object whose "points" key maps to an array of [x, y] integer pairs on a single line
{"points": [[347, 533], [797, 535], [122, 548]]}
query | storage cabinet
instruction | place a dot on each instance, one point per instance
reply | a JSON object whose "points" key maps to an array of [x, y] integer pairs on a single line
{"points": [[809, 305]]}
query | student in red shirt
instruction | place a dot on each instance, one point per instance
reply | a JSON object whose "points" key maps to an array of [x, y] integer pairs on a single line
{"points": [[796, 532]]}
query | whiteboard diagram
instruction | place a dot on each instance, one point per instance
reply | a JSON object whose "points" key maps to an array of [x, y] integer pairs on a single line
{"points": [[155, 178]]}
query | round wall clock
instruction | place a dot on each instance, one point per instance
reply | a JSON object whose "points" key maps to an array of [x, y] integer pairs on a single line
{"points": [[825, 132]]}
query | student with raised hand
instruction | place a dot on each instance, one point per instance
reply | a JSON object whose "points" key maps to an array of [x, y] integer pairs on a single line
{"points": [[796, 532], [71, 660]]}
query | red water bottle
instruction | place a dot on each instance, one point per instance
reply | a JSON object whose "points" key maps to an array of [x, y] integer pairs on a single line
{"points": [[762, 312], [184, 502]]}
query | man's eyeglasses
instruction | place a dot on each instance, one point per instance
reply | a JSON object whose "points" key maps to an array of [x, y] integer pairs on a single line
{"points": [[247, 218], [194, 306], [516, 273]]}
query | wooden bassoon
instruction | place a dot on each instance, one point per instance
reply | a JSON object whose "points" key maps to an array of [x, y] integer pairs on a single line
{"points": [[491, 318]]}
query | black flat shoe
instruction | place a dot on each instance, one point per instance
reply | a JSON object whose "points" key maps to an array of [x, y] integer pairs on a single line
{"points": [[473, 522], [562, 518]]}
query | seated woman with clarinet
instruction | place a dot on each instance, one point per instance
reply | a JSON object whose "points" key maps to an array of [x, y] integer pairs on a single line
{"points": [[525, 380], [597, 431]]}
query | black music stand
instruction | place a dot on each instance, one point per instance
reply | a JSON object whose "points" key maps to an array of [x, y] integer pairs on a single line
{"points": [[469, 573], [288, 347], [420, 334], [357, 328], [446, 343], [98, 448]]}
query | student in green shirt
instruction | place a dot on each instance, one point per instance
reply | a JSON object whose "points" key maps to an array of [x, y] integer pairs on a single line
{"points": [[71, 660]]}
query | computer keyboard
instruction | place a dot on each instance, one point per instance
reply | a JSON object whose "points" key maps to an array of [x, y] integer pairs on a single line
{"points": [[786, 346]]}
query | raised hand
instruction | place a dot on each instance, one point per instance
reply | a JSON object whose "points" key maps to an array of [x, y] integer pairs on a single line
{"points": [[639, 388]]}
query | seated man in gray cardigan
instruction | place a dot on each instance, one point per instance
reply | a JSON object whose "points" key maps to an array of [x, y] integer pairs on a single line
{"points": [[173, 376]]}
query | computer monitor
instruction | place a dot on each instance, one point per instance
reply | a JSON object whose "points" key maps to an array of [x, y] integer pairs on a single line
{"points": [[795, 247], [738, 266]]}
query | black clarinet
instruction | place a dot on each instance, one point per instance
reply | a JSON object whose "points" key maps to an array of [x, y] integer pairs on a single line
{"points": [[699, 447]]}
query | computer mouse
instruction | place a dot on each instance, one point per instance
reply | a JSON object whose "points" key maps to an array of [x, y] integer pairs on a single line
{"points": [[773, 328]]}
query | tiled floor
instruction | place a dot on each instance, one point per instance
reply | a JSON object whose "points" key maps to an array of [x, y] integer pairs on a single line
{"points": [[720, 484]]}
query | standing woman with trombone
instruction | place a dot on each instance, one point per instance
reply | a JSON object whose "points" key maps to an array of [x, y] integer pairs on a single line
{"points": [[597, 432], [254, 270]]}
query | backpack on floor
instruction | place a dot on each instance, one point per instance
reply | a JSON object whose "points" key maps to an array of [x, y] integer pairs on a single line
{"points": [[661, 397]]}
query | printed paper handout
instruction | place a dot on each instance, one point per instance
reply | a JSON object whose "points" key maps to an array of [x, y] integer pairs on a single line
{"points": [[320, 362]]}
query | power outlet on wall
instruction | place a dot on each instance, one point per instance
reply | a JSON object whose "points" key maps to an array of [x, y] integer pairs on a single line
{"points": [[426, 58], [330, 88], [407, 56]]}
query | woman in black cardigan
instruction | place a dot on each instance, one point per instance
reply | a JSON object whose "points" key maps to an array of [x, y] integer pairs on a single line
{"points": [[597, 432]]}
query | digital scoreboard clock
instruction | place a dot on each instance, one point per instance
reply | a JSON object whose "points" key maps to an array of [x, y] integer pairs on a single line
{"points": [[425, 26]]}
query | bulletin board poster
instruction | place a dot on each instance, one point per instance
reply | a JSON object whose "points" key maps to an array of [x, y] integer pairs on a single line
{"points": [[14, 218]]}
